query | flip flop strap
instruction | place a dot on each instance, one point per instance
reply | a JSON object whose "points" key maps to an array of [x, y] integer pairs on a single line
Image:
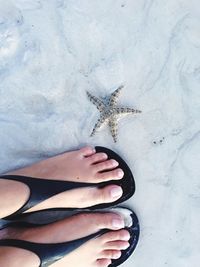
{"points": [[49, 253], [41, 189], [3, 223]]}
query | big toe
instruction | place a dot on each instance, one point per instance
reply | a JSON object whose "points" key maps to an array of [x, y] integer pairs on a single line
{"points": [[107, 194], [87, 151]]}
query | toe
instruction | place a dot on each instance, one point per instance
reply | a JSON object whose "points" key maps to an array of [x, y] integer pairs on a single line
{"points": [[93, 196], [122, 245], [107, 194], [122, 235], [107, 220], [111, 254], [103, 262], [97, 157], [106, 165], [95, 221], [110, 175], [87, 151]]}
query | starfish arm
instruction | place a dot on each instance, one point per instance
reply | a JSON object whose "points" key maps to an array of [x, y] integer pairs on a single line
{"points": [[126, 111], [114, 96], [113, 127], [96, 101], [98, 125]]}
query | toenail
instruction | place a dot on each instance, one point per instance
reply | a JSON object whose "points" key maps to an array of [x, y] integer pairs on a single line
{"points": [[120, 173], [114, 163], [126, 236], [94, 150], [125, 246], [128, 245], [104, 155], [118, 223], [117, 255], [116, 192]]}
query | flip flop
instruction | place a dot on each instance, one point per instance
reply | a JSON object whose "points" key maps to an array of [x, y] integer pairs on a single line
{"points": [[50, 253], [42, 189]]}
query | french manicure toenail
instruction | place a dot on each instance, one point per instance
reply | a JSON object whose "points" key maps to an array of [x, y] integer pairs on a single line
{"points": [[116, 192], [118, 223], [120, 173]]}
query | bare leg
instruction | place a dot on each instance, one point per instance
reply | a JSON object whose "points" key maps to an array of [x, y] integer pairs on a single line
{"points": [[12, 196]]}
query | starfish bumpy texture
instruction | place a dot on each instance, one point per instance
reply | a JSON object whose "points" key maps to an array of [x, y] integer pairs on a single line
{"points": [[109, 111]]}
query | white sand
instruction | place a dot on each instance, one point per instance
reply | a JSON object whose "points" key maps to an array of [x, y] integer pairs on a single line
{"points": [[51, 52]]}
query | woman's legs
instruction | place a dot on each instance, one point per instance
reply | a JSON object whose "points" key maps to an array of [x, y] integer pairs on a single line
{"points": [[84, 165]]}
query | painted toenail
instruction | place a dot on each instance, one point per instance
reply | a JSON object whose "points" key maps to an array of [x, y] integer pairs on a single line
{"points": [[120, 173], [116, 191], [118, 223]]}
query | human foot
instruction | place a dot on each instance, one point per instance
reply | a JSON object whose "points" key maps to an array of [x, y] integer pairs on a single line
{"points": [[83, 165], [92, 168], [98, 251]]}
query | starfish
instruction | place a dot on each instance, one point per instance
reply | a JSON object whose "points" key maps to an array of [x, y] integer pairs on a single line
{"points": [[109, 112]]}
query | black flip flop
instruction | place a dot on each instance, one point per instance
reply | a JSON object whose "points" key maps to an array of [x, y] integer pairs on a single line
{"points": [[42, 189], [50, 253]]}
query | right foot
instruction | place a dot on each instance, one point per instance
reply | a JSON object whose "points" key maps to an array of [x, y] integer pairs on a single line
{"points": [[84, 165], [97, 252]]}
